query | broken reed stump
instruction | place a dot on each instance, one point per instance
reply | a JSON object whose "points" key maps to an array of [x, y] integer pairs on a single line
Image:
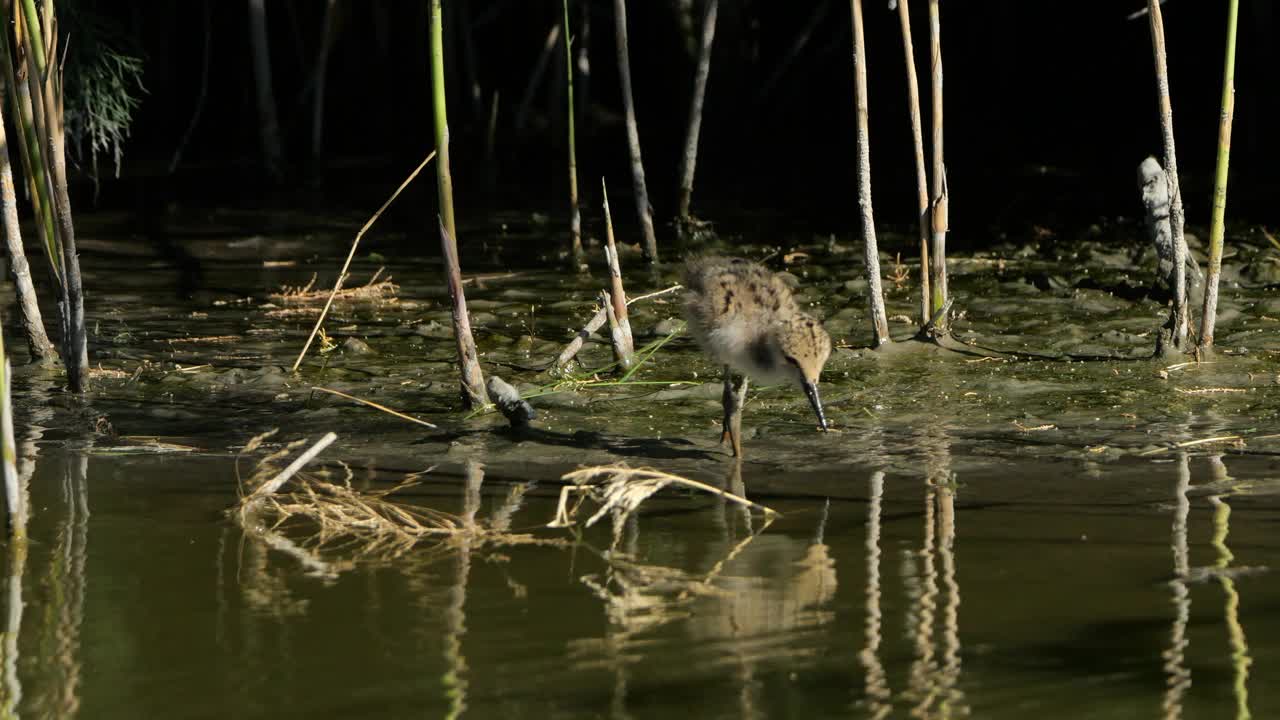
{"points": [[596, 322], [871, 253], [473, 391], [1217, 225], [689, 160], [619, 323], [643, 209], [1179, 320], [939, 323], [923, 223]]}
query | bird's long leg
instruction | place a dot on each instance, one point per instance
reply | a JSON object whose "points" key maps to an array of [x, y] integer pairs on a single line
{"points": [[734, 398]]}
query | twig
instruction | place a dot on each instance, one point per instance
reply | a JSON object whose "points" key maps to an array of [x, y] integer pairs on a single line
{"points": [[374, 405], [342, 275], [275, 483]]}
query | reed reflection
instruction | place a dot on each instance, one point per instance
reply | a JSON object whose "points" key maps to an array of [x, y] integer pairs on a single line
{"points": [[878, 695], [1240, 659], [1178, 676]]}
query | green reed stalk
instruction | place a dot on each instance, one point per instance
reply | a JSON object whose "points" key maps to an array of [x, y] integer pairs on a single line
{"points": [[575, 216], [871, 252], [473, 392], [922, 176], [1217, 225], [1178, 319]]}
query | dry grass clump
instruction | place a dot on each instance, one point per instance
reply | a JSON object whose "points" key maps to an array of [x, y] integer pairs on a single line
{"points": [[305, 514], [620, 489], [377, 288]]}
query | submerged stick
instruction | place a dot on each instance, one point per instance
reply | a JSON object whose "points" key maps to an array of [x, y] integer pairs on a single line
{"points": [[620, 324], [938, 202], [922, 177], [643, 209], [38, 343], [473, 394], [1217, 225], [689, 161], [870, 251], [1178, 319], [596, 322], [575, 216], [342, 274]]}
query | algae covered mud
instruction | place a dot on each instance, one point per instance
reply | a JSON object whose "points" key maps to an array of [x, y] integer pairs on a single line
{"points": [[1040, 520]]}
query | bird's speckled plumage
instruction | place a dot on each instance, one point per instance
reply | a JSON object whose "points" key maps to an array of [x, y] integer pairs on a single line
{"points": [[746, 317]]}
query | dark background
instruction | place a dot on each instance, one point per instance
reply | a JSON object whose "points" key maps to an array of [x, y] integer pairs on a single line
{"points": [[1050, 106]]}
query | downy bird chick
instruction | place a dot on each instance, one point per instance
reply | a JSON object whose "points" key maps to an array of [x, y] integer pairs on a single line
{"points": [[745, 318]]}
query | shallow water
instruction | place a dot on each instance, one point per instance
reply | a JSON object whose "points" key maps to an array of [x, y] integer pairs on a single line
{"points": [[987, 534]]}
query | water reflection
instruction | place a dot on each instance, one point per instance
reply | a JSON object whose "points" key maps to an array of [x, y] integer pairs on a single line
{"points": [[877, 690], [1178, 675]]}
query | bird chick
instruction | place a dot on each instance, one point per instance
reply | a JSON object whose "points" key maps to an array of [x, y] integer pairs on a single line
{"points": [[746, 318]]}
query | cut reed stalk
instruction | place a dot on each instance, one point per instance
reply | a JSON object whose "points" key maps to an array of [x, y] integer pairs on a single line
{"points": [[922, 177], [473, 394], [1217, 225], [596, 322], [575, 216], [268, 125], [643, 208], [871, 252], [689, 161], [620, 323], [28, 308], [938, 202], [1178, 319]]}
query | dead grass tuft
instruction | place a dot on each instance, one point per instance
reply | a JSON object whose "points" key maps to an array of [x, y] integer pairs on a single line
{"points": [[377, 288]]}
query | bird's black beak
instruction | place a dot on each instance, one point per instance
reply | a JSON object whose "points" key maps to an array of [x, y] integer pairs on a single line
{"points": [[811, 390]]}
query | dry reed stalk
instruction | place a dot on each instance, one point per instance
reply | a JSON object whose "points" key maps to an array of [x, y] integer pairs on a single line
{"points": [[938, 202], [1217, 225], [375, 406], [342, 274], [376, 288], [473, 394], [689, 160], [643, 209], [275, 483], [922, 178], [619, 323], [870, 249], [575, 215], [620, 489], [596, 322], [1179, 319], [19, 270]]}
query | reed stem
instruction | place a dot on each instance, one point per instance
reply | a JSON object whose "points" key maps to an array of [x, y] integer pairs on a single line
{"points": [[870, 249], [1217, 224], [473, 392], [28, 308], [643, 208], [689, 161], [938, 201], [575, 215], [922, 176], [1179, 321]]}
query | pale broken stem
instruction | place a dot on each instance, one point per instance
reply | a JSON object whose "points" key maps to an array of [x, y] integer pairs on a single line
{"points": [[643, 209], [271, 486], [473, 394], [374, 405], [624, 359], [938, 202], [1178, 319], [922, 177], [870, 253], [689, 160], [597, 321], [624, 344], [342, 274], [1217, 225]]}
